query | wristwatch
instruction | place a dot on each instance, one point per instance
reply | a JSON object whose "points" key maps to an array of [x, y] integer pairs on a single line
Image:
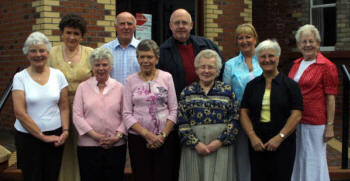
{"points": [[121, 136], [163, 134], [282, 135]]}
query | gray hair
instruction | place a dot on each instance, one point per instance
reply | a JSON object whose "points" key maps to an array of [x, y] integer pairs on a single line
{"points": [[148, 45], [36, 38], [99, 54], [208, 53], [307, 29], [269, 45]]}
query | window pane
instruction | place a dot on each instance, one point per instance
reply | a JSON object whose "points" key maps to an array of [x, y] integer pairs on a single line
{"points": [[325, 21], [320, 2]]}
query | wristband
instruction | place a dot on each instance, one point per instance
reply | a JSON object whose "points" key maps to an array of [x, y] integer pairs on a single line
{"points": [[163, 134], [63, 130], [330, 123], [120, 135], [144, 132]]}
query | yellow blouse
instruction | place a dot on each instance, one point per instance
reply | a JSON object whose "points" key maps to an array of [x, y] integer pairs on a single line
{"points": [[74, 73], [265, 109]]}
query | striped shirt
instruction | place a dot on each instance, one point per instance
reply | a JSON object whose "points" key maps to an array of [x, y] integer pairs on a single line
{"points": [[317, 81], [125, 60]]}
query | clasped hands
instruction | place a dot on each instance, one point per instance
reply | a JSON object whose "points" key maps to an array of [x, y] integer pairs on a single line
{"points": [[270, 145], [106, 141], [204, 149], [153, 141], [56, 140]]}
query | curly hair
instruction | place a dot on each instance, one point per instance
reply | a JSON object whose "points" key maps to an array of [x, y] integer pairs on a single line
{"points": [[75, 21]]}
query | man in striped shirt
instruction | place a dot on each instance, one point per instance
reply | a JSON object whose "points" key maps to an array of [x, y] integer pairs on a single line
{"points": [[123, 47]]}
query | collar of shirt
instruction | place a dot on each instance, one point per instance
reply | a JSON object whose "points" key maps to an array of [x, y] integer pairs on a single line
{"points": [[200, 90], [320, 59], [255, 61], [134, 42], [277, 79], [93, 84]]}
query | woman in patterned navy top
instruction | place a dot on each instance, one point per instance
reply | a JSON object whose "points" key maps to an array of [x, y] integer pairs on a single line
{"points": [[208, 120]]}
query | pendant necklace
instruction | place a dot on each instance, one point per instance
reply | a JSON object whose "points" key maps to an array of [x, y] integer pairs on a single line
{"points": [[69, 58]]}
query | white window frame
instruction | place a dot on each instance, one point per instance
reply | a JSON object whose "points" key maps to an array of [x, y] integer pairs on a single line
{"points": [[312, 6]]}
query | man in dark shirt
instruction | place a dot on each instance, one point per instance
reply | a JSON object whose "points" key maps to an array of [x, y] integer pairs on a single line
{"points": [[178, 52]]}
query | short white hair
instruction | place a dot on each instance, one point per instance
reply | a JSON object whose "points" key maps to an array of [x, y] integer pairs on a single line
{"points": [[36, 38], [208, 53], [269, 45], [307, 29], [99, 54]]}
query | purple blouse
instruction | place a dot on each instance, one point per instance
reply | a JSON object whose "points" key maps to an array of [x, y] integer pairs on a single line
{"points": [[149, 103]]}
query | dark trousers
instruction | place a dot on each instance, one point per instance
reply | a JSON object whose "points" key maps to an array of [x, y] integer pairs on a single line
{"points": [[156, 165], [39, 161], [97, 163], [273, 166]]}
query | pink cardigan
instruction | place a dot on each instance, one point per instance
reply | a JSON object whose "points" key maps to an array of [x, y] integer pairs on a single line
{"points": [[100, 112]]}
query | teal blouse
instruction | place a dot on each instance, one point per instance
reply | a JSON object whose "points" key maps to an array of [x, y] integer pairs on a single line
{"points": [[237, 73]]}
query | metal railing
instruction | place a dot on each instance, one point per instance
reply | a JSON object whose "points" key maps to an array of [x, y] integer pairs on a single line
{"points": [[7, 92], [346, 82]]}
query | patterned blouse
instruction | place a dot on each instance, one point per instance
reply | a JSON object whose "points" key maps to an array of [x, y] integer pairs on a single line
{"points": [[197, 108]]}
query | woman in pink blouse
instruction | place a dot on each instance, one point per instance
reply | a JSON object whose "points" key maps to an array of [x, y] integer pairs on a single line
{"points": [[149, 112], [97, 116]]}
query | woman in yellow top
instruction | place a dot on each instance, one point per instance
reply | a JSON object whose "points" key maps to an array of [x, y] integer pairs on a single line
{"points": [[73, 60], [270, 110]]}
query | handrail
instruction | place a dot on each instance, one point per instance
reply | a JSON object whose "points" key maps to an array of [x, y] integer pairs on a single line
{"points": [[346, 82], [7, 92]]}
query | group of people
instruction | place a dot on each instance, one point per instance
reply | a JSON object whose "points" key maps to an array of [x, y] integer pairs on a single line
{"points": [[183, 112]]}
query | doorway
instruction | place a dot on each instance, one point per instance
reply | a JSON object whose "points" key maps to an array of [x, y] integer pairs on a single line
{"points": [[161, 11]]}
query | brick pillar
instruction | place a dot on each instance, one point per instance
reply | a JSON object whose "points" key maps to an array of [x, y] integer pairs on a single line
{"points": [[221, 17], [343, 25]]}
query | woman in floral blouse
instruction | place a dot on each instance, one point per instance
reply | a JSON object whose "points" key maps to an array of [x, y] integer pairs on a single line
{"points": [[208, 120], [149, 113]]}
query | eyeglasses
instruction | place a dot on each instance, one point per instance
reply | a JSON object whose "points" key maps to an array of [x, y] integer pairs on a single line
{"points": [[305, 42]]}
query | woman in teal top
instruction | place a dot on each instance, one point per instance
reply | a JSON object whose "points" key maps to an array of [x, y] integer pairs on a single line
{"points": [[238, 72]]}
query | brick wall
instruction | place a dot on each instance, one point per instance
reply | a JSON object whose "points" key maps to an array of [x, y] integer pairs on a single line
{"points": [[18, 20], [343, 25], [221, 19], [279, 20]]}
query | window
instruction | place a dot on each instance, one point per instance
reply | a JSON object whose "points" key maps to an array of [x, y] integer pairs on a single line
{"points": [[323, 16]]}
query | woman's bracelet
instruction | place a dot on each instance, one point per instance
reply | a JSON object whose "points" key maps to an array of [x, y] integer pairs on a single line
{"points": [[331, 123], [144, 132], [65, 129], [120, 135]]}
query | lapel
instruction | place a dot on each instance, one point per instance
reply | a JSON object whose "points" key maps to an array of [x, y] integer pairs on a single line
{"points": [[176, 55]]}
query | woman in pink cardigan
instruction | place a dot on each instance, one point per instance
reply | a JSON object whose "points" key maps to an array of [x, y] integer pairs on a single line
{"points": [[97, 116], [149, 112]]}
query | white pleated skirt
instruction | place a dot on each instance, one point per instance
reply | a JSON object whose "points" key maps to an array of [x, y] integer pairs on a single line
{"points": [[218, 166], [311, 158]]}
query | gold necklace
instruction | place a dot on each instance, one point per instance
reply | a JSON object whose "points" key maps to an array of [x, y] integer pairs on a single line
{"points": [[69, 58]]}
